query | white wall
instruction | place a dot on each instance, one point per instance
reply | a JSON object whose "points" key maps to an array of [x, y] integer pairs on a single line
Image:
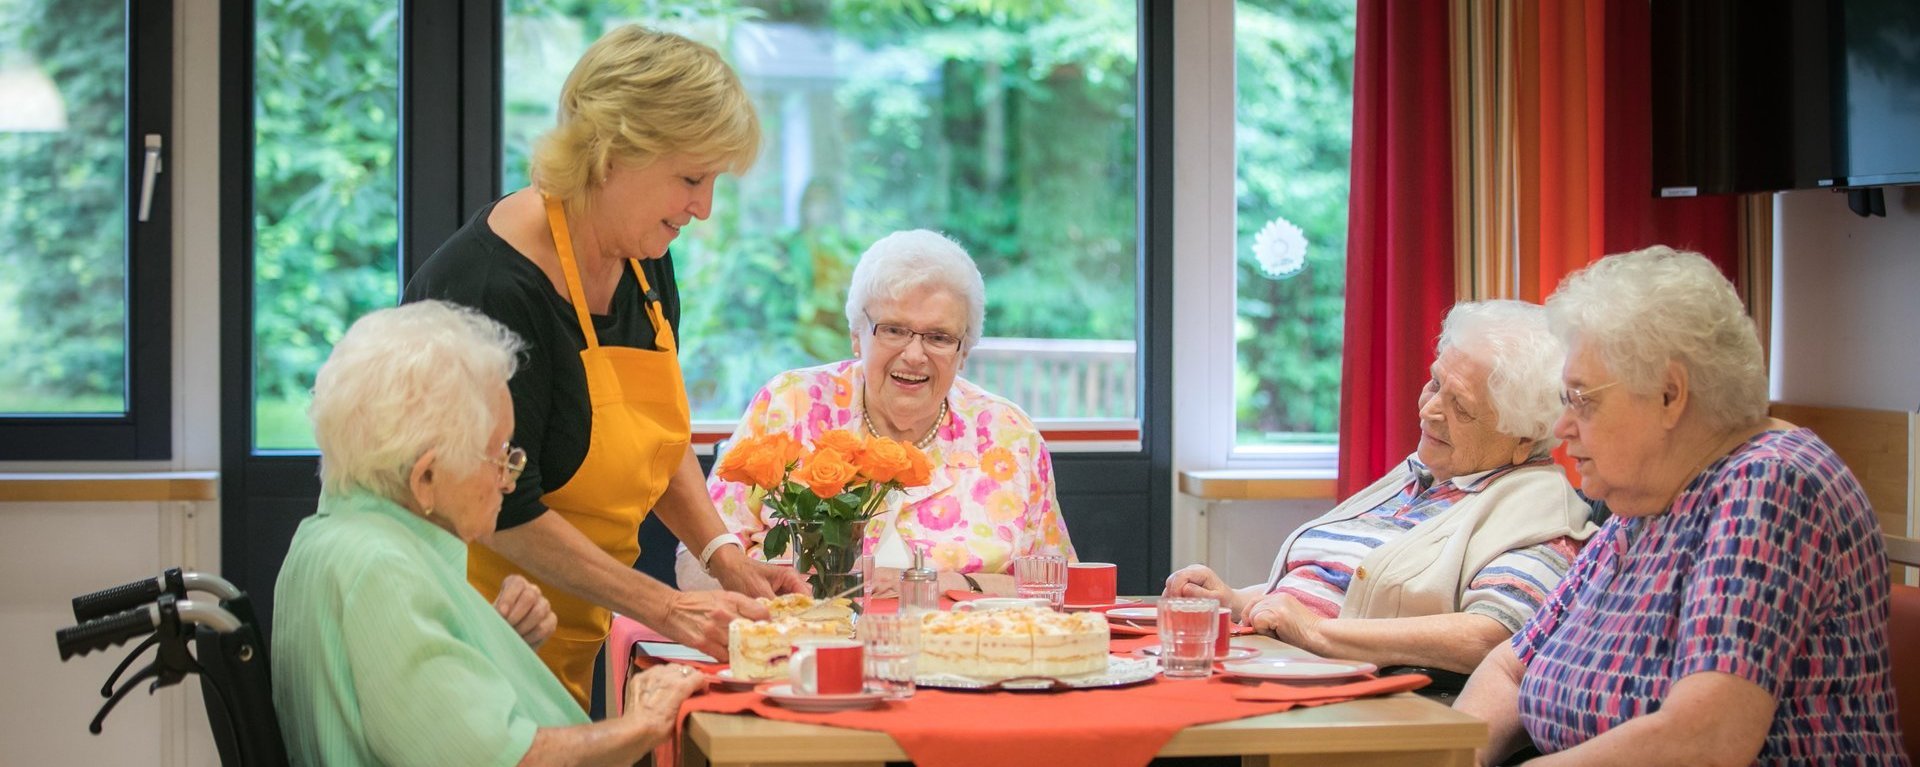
{"points": [[1847, 302], [50, 552]]}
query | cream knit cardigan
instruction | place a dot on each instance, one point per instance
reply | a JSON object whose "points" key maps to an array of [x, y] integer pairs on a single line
{"points": [[1425, 570]]}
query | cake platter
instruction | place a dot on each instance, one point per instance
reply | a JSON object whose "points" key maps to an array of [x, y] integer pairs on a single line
{"points": [[1120, 673]]}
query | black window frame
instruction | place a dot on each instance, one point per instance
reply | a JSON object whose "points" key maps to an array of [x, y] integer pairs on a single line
{"points": [[449, 160], [145, 430]]}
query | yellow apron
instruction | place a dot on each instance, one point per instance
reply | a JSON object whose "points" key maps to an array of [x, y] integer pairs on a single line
{"points": [[640, 434]]}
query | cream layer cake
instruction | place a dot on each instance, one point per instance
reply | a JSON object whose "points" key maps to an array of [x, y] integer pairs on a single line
{"points": [[757, 650], [1002, 644]]}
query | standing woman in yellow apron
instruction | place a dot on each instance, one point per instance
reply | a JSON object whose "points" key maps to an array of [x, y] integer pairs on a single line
{"points": [[577, 265]]}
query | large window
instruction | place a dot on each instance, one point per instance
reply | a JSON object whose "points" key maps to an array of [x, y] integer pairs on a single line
{"points": [[84, 319], [326, 194], [1011, 126], [1293, 136]]}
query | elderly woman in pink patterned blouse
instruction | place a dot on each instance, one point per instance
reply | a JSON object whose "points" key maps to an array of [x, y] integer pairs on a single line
{"points": [[914, 310]]}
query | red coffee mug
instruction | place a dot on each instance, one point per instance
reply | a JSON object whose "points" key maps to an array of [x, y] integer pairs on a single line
{"points": [[827, 667], [1224, 642], [1091, 583]]}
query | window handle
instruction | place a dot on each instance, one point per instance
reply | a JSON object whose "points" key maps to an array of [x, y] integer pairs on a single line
{"points": [[148, 170]]}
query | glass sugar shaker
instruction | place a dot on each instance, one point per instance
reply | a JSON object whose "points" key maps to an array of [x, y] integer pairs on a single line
{"points": [[919, 585]]}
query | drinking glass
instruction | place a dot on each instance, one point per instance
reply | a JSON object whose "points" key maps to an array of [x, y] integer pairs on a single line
{"points": [[892, 641], [1187, 628], [1041, 576]]}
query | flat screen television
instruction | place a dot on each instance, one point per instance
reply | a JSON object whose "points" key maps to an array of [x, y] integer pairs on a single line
{"points": [[1769, 95], [1876, 94]]}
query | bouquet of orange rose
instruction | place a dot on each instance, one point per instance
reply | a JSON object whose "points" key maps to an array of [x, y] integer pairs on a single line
{"points": [[821, 500]]}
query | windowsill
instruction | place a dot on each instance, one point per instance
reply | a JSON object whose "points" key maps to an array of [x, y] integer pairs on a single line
{"points": [[1256, 485], [72, 487]]}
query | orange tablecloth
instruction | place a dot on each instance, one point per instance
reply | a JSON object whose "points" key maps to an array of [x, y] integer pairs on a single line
{"points": [[1120, 726]]}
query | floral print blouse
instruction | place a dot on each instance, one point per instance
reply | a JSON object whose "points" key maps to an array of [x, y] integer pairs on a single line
{"points": [[991, 497]]}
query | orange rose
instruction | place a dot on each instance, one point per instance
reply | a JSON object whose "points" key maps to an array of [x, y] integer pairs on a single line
{"points": [[846, 443], [826, 472], [884, 460], [759, 461], [733, 465], [919, 468]]}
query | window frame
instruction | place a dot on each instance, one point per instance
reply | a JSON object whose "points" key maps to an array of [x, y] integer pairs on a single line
{"points": [[145, 430], [1207, 357]]}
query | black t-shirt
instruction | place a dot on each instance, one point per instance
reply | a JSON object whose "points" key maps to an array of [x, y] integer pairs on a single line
{"points": [[551, 411]]}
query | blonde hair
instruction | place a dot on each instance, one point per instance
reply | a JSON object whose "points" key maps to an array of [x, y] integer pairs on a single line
{"points": [[637, 95], [403, 381], [1642, 309]]}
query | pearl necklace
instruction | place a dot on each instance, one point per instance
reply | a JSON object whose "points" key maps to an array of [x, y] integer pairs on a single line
{"points": [[941, 418]]}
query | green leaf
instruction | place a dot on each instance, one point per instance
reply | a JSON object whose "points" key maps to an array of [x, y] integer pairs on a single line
{"points": [[776, 542]]}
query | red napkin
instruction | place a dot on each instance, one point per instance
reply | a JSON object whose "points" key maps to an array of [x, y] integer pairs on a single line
{"points": [[1311, 695]]}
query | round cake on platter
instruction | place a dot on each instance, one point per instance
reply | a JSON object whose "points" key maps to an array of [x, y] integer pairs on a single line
{"points": [[1002, 644]]}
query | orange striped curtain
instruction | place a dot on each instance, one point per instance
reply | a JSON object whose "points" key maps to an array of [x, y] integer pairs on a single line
{"points": [[1554, 139]]}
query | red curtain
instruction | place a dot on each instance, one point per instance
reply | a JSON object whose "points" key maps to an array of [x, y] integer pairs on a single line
{"points": [[1399, 232]]}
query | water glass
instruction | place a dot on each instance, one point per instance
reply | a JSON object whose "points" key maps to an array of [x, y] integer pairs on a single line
{"points": [[1041, 576], [892, 642], [1187, 628]]}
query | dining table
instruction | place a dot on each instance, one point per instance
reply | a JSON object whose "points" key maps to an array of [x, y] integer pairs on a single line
{"points": [[1396, 730]]}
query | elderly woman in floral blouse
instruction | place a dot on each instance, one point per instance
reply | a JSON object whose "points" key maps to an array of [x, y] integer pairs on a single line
{"points": [[914, 310]]}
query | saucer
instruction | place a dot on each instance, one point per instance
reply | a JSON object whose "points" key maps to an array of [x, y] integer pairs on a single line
{"points": [[727, 681], [1298, 669], [784, 695], [1070, 607], [1135, 614], [1232, 654]]}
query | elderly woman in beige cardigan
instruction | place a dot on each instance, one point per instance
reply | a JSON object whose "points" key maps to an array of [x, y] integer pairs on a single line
{"points": [[1448, 554]]}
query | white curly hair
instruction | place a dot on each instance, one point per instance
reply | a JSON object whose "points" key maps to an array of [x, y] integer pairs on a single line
{"points": [[1642, 309], [902, 262], [1523, 358], [403, 381]]}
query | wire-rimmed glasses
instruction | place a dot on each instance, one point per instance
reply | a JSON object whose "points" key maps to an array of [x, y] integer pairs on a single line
{"points": [[512, 465], [898, 336], [1580, 401]]}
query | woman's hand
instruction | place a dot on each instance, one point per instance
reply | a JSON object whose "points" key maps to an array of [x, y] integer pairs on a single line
{"points": [[698, 619], [1286, 619], [657, 693], [1201, 582], [526, 610], [740, 573]]}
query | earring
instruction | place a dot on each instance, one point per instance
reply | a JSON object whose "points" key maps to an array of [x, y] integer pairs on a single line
{"points": [[428, 512]]}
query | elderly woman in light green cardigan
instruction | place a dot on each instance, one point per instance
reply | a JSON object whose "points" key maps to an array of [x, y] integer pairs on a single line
{"points": [[382, 653]]}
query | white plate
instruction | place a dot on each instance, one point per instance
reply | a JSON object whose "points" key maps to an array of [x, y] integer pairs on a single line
{"points": [[1234, 653], [784, 695], [725, 678], [1120, 672], [1083, 608], [1298, 669], [1135, 614]]}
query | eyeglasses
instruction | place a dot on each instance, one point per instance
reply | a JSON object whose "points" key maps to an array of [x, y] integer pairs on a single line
{"points": [[1581, 401], [512, 465], [898, 336]]}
